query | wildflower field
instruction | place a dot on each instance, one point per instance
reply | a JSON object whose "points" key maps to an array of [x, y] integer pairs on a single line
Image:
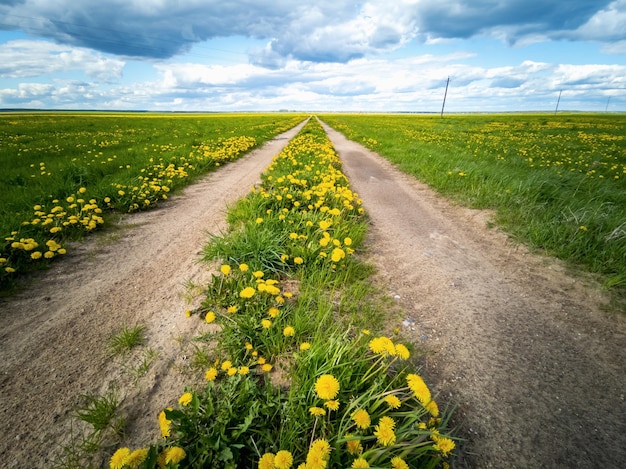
{"points": [[557, 183], [60, 173], [297, 374]]}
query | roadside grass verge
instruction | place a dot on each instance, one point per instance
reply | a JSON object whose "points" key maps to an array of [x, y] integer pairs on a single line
{"points": [[60, 174], [299, 373], [557, 183]]}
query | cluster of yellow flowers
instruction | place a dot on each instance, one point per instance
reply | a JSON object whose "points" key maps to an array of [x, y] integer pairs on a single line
{"points": [[46, 228], [124, 458]]}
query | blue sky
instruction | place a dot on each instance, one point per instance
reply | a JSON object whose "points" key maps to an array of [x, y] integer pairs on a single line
{"points": [[326, 55]]}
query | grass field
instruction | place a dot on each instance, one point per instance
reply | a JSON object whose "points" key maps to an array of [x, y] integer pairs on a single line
{"points": [[61, 172], [557, 183]]}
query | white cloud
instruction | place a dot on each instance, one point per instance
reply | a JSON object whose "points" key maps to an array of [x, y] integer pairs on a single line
{"points": [[26, 58]]}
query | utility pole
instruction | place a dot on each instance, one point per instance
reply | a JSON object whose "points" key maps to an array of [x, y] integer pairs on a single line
{"points": [[557, 103], [444, 97]]}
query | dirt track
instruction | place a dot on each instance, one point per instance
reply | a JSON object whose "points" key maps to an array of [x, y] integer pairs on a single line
{"points": [[536, 368]]}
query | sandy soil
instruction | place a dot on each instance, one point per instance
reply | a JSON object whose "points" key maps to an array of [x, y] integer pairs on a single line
{"points": [[524, 350], [55, 333]]}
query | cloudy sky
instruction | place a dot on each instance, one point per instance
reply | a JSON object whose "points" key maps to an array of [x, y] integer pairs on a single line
{"points": [[324, 55]]}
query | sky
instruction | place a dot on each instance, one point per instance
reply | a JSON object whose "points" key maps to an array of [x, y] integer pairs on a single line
{"points": [[314, 56]]}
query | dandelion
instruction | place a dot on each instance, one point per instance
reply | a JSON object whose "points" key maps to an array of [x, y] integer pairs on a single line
{"points": [[247, 292], [442, 444], [137, 457], [267, 367], [324, 225], [248, 346], [283, 460], [384, 432], [392, 401], [298, 260], [232, 371], [337, 254], [320, 446], [174, 455], [188, 313], [226, 365], [225, 269], [211, 374], [419, 388], [326, 387], [210, 317], [353, 445], [243, 370], [231, 309], [164, 423], [360, 462], [399, 463], [185, 399], [243, 267], [332, 404], [289, 331], [258, 274], [266, 323], [347, 241], [317, 411], [36, 255], [402, 351], [382, 346], [361, 418], [305, 346], [432, 408], [119, 458], [259, 220], [273, 312]]}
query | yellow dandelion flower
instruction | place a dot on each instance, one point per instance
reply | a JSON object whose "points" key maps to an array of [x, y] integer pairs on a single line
{"points": [[211, 374], [36, 255], [361, 418], [287, 294], [385, 435], [137, 457], [266, 323], [353, 445], [333, 404], [247, 292], [267, 367], [243, 370], [119, 458], [164, 423], [387, 422], [259, 220], [402, 351], [315, 460], [392, 401], [273, 312], [398, 463], [82, 190], [225, 269], [185, 399], [289, 331], [283, 460], [317, 411], [321, 446], [337, 254], [243, 267], [443, 445], [188, 313], [382, 346], [248, 346], [226, 365], [232, 371], [261, 360], [210, 317], [298, 260], [231, 309], [419, 388], [433, 408], [258, 274], [326, 387], [347, 241], [360, 463], [280, 300], [305, 346], [174, 455], [324, 224]]}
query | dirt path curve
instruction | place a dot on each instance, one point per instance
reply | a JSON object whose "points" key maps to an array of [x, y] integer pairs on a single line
{"points": [[536, 368], [54, 335]]}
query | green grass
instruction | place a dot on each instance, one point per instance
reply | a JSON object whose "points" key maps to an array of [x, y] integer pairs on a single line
{"points": [[557, 183], [127, 338], [62, 173]]}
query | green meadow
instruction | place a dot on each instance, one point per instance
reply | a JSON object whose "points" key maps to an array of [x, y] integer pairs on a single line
{"points": [[60, 173], [557, 183]]}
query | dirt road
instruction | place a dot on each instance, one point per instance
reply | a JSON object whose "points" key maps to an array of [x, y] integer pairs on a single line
{"points": [[54, 335], [536, 368]]}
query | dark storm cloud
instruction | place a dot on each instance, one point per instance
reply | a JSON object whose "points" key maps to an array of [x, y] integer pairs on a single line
{"points": [[321, 31]]}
